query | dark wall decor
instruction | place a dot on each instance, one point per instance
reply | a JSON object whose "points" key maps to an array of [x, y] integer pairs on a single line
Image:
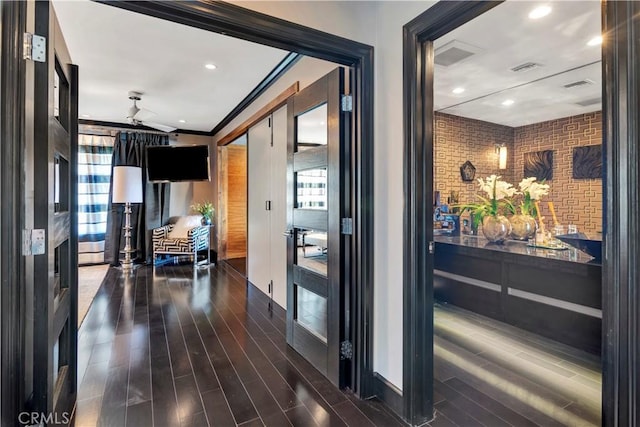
{"points": [[539, 164], [467, 171], [587, 162]]}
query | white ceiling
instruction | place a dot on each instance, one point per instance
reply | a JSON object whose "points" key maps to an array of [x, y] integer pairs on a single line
{"points": [[505, 38], [118, 51]]}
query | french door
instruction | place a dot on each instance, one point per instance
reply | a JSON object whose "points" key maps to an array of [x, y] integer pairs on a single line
{"points": [[54, 239], [317, 191]]}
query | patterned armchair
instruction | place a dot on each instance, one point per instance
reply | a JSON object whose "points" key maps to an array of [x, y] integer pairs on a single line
{"points": [[178, 239]]}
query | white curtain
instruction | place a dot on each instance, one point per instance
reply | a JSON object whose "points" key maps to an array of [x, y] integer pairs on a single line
{"points": [[94, 178]]}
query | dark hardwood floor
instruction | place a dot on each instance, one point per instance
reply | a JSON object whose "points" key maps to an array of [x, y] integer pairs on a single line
{"points": [[180, 346], [238, 264]]}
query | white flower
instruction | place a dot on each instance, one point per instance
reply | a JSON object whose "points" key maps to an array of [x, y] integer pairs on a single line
{"points": [[502, 188], [535, 189]]}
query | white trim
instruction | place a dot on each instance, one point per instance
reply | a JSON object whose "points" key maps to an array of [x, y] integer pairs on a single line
{"points": [[582, 309], [469, 281]]}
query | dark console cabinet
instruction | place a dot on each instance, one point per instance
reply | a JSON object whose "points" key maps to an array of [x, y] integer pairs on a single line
{"points": [[556, 294]]}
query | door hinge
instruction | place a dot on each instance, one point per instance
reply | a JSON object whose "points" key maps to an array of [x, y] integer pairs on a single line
{"points": [[346, 103], [33, 242], [347, 226], [432, 247], [34, 48], [346, 350], [267, 205]]}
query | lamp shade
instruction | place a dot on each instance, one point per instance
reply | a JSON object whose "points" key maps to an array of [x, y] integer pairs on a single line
{"points": [[127, 184]]}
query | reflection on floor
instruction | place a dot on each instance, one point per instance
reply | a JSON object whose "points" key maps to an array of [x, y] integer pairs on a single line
{"points": [[199, 347], [239, 265], [489, 373], [312, 312], [89, 280], [313, 258]]}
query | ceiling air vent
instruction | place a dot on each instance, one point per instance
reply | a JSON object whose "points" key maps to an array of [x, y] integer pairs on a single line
{"points": [[454, 52], [589, 102], [527, 66], [579, 83]]}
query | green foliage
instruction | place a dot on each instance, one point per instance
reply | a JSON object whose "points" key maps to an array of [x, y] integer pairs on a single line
{"points": [[205, 209], [498, 203]]}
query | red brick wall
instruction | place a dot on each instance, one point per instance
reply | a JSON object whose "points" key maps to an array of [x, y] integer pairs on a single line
{"points": [[576, 201]]}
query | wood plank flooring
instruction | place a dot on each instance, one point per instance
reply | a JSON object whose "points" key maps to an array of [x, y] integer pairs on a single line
{"points": [[199, 347], [489, 373], [180, 346]]}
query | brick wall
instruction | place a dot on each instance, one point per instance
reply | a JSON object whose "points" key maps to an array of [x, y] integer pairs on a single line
{"points": [[458, 139], [576, 201]]}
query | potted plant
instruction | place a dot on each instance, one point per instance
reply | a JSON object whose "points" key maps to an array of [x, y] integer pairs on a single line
{"points": [[495, 226], [205, 209], [523, 224]]}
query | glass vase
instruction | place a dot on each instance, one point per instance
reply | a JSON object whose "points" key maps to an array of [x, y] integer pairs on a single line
{"points": [[496, 228], [523, 227]]}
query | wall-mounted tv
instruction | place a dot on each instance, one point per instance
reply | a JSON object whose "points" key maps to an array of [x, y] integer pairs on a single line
{"points": [[175, 163]]}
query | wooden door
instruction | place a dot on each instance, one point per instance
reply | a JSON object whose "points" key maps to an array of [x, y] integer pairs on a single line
{"points": [[316, 200], [232, 201], [55, 136]]}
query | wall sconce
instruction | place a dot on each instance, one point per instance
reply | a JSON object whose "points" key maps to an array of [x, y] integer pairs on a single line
{"points": [[501, 150]]}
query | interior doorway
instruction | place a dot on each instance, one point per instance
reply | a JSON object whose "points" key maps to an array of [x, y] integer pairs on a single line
{"points": [[232, 204], [424, 31], [233, 21]]}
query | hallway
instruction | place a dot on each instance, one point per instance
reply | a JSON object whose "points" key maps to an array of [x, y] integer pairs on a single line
{"points": [[185, 347]]}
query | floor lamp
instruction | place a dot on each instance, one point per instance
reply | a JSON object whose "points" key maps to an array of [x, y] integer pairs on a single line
{"points": [[127, 189]]}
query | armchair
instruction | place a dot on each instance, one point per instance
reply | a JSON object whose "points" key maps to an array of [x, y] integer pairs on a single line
{"points": [[185, 237]]}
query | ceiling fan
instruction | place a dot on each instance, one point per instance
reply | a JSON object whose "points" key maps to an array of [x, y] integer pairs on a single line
{"points": [[140, 116]]}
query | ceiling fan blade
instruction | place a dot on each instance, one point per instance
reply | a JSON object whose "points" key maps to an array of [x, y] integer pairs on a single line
{"points": [[143, 114], [163, 128]]}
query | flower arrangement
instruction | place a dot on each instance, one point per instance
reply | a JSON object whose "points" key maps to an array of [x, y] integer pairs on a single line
{"points": [[497, 200], [531, 191], [205, 209]]}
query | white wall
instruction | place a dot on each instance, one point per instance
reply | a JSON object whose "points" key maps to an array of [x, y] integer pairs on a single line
{"points": [[378, 24], [306, 71], [388, 185]]}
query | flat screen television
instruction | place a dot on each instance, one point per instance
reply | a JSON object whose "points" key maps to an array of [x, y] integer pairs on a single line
{"points": [[175, 163]]}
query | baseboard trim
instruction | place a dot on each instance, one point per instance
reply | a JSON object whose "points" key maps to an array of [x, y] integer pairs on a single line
{"points": [[388, 393]]}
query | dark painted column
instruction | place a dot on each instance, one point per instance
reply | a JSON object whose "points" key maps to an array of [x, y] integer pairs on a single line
{"points": [[621, 277], [11, 199]]}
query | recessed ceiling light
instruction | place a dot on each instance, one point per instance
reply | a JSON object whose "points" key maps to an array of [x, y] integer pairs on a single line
{"points": [[458, 90], [508, 102], [86, 116], [210, 66], [595, 41], [182, 121], [539, 12]]}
